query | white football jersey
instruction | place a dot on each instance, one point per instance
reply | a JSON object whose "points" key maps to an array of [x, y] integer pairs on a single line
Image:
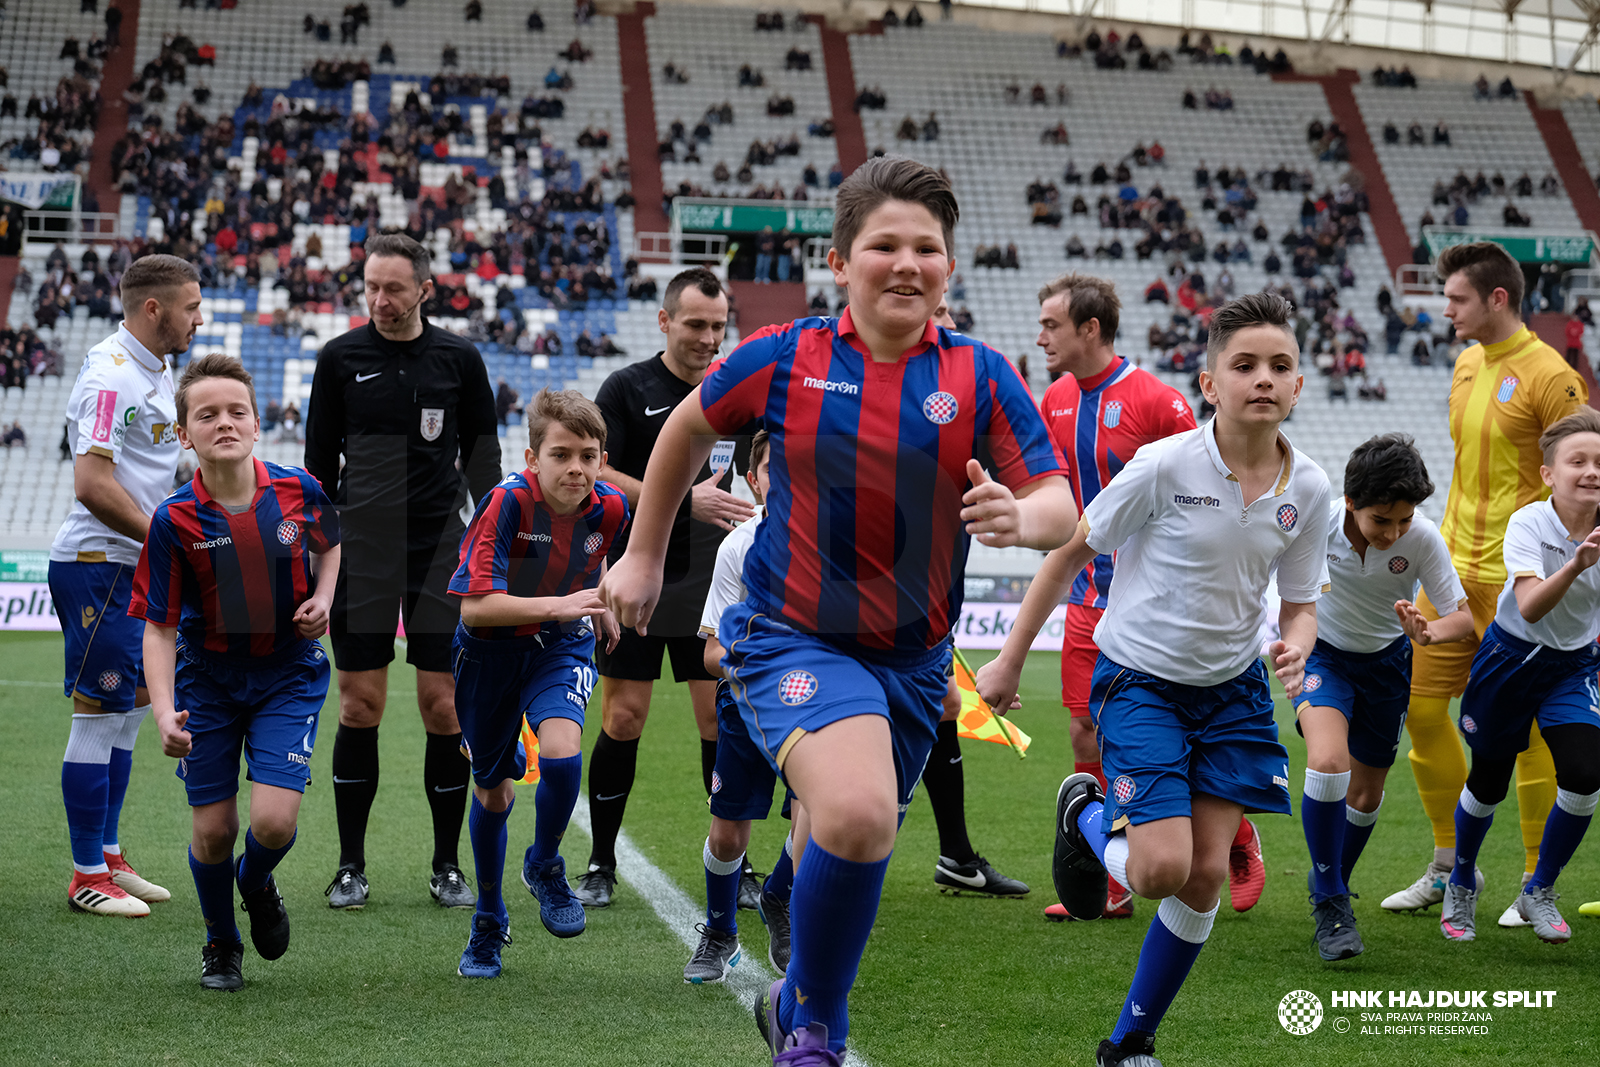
{"points": [[727, 579], [1537, 544], [1357, 613], [123, 406]]}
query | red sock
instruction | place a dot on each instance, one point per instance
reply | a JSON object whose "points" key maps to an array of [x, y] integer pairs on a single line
{"points": [[1080, 767]]}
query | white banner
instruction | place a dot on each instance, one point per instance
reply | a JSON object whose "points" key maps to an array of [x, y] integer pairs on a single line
{"points": [[985, 625], [27, 606], [31, 190]]}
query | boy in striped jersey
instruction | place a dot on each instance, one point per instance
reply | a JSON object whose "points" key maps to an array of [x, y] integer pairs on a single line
{"points": [[233, 607]]}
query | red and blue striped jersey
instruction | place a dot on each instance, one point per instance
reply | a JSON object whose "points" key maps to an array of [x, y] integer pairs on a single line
{"points": [[232, 583], [517, 545], [863, 542], [1099, 423]]}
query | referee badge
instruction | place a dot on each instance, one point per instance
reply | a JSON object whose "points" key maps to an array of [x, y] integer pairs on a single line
{"points": [[432, 423], [721, 457]]}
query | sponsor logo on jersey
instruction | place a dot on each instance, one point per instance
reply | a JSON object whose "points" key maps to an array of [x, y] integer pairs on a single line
{"points": [[1508, 386], [215, 542], [1288, 515], [797, 687], [110, 680], [288, 532], [432, 423], [1399, 565], [1111, 415], [105, 413], [542, 538], [940, 407], [1059, 413], [847, 388], [1196, 501], [89, 615], [1332, 558], [1312, 683], [591, 544], [1179, 406], [296, 757], [1468, 724], [1548, 547], [1123, 789]]}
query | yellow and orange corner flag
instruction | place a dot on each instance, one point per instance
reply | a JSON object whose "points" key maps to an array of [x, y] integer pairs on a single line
{"points": [[978, 721]]}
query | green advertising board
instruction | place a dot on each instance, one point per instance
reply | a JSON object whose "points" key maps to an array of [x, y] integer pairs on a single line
{"points": [[22, 565], [1575, 248], [751, 216]]}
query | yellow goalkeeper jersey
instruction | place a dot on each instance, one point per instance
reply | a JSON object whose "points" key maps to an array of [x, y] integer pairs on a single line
{"points": [[1502, 398]]}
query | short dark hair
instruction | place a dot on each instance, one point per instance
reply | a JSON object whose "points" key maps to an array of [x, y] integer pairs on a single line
{"points": [[698, 277], [568, 407], [1384, 470], [885, 178], [212, 365], [758, 449], [398, 244], [155, 275], [1088, 297], [1252, 309], [1488, 267], [1585, 420]]}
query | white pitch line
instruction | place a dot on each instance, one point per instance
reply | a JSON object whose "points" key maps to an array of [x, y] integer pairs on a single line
{"points": [[30, 685], [680, 913]]}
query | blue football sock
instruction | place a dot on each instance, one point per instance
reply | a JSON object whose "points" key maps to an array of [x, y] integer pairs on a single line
{"points": [[1473, 819], [1563, 830], [258, 861], [488, 832], [1357, 831], [780, 883], [722, 890], [1322, 815], [1172, 944], [834, 905], [1089, 823], [118, 771], [86, 786], [552, 803], [213, 885]]}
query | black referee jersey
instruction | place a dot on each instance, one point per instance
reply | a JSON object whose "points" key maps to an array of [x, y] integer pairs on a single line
{"points": [[401, 413]]}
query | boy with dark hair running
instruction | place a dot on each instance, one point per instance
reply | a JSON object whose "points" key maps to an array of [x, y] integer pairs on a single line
{"points": [[1358, 677], [837, 655], [1180, 695], [524, 649], [1537, 663], [233, 608]]}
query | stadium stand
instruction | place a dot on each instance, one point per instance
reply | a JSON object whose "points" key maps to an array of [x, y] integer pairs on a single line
{"points": [[49, 94]]}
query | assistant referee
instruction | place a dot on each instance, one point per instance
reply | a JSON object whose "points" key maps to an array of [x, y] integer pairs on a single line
{"points": [[401, 399], [636, 401]]}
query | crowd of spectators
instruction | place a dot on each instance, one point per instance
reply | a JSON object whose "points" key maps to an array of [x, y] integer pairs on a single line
{"points": [[1480, 88], [1462, 193], [1114, 52], [23, 353], [1416, 135], [73, 107]]}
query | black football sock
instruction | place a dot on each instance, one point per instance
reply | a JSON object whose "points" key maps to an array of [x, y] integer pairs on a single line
{"points": [[611, 768], [355, 785], [708, 761], [947, 793], [445, 776]]}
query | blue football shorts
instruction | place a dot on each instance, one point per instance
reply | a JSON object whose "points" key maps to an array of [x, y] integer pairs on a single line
{"points": [[1514, 682], [743, 781], [1371, 689], [104, 645], [267, 709], [789, 684], [1162, 742], [500, 682]]}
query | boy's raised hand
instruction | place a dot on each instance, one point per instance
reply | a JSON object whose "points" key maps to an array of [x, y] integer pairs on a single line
{"points": [[175, 740], [991, 511], [1289, 664], [630, 590], [1589, 552], [997, 682], [1413, 622]]}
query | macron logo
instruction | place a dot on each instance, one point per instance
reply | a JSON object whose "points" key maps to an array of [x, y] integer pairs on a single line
{"points": [[1196, 501], [847, 388], [215, 542], [533, 537]]}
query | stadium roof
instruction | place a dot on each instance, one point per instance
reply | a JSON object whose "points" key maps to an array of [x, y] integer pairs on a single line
{"points": [[1558, 34]]}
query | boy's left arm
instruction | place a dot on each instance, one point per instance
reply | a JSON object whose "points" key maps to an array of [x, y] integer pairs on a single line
{"points": [[1302, 578], [311, 618], [1042, 514], [1297, 630]]}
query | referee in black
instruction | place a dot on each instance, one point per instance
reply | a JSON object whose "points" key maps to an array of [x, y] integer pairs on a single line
{"points": [[401, 400], [636, 401]]}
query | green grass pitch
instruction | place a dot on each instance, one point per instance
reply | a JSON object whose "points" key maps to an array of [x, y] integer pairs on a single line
{"points": [[945, 980]]}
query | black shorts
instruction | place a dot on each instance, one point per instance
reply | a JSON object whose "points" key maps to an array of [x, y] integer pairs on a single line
{"points": [[639, 658], [380, 572]]}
